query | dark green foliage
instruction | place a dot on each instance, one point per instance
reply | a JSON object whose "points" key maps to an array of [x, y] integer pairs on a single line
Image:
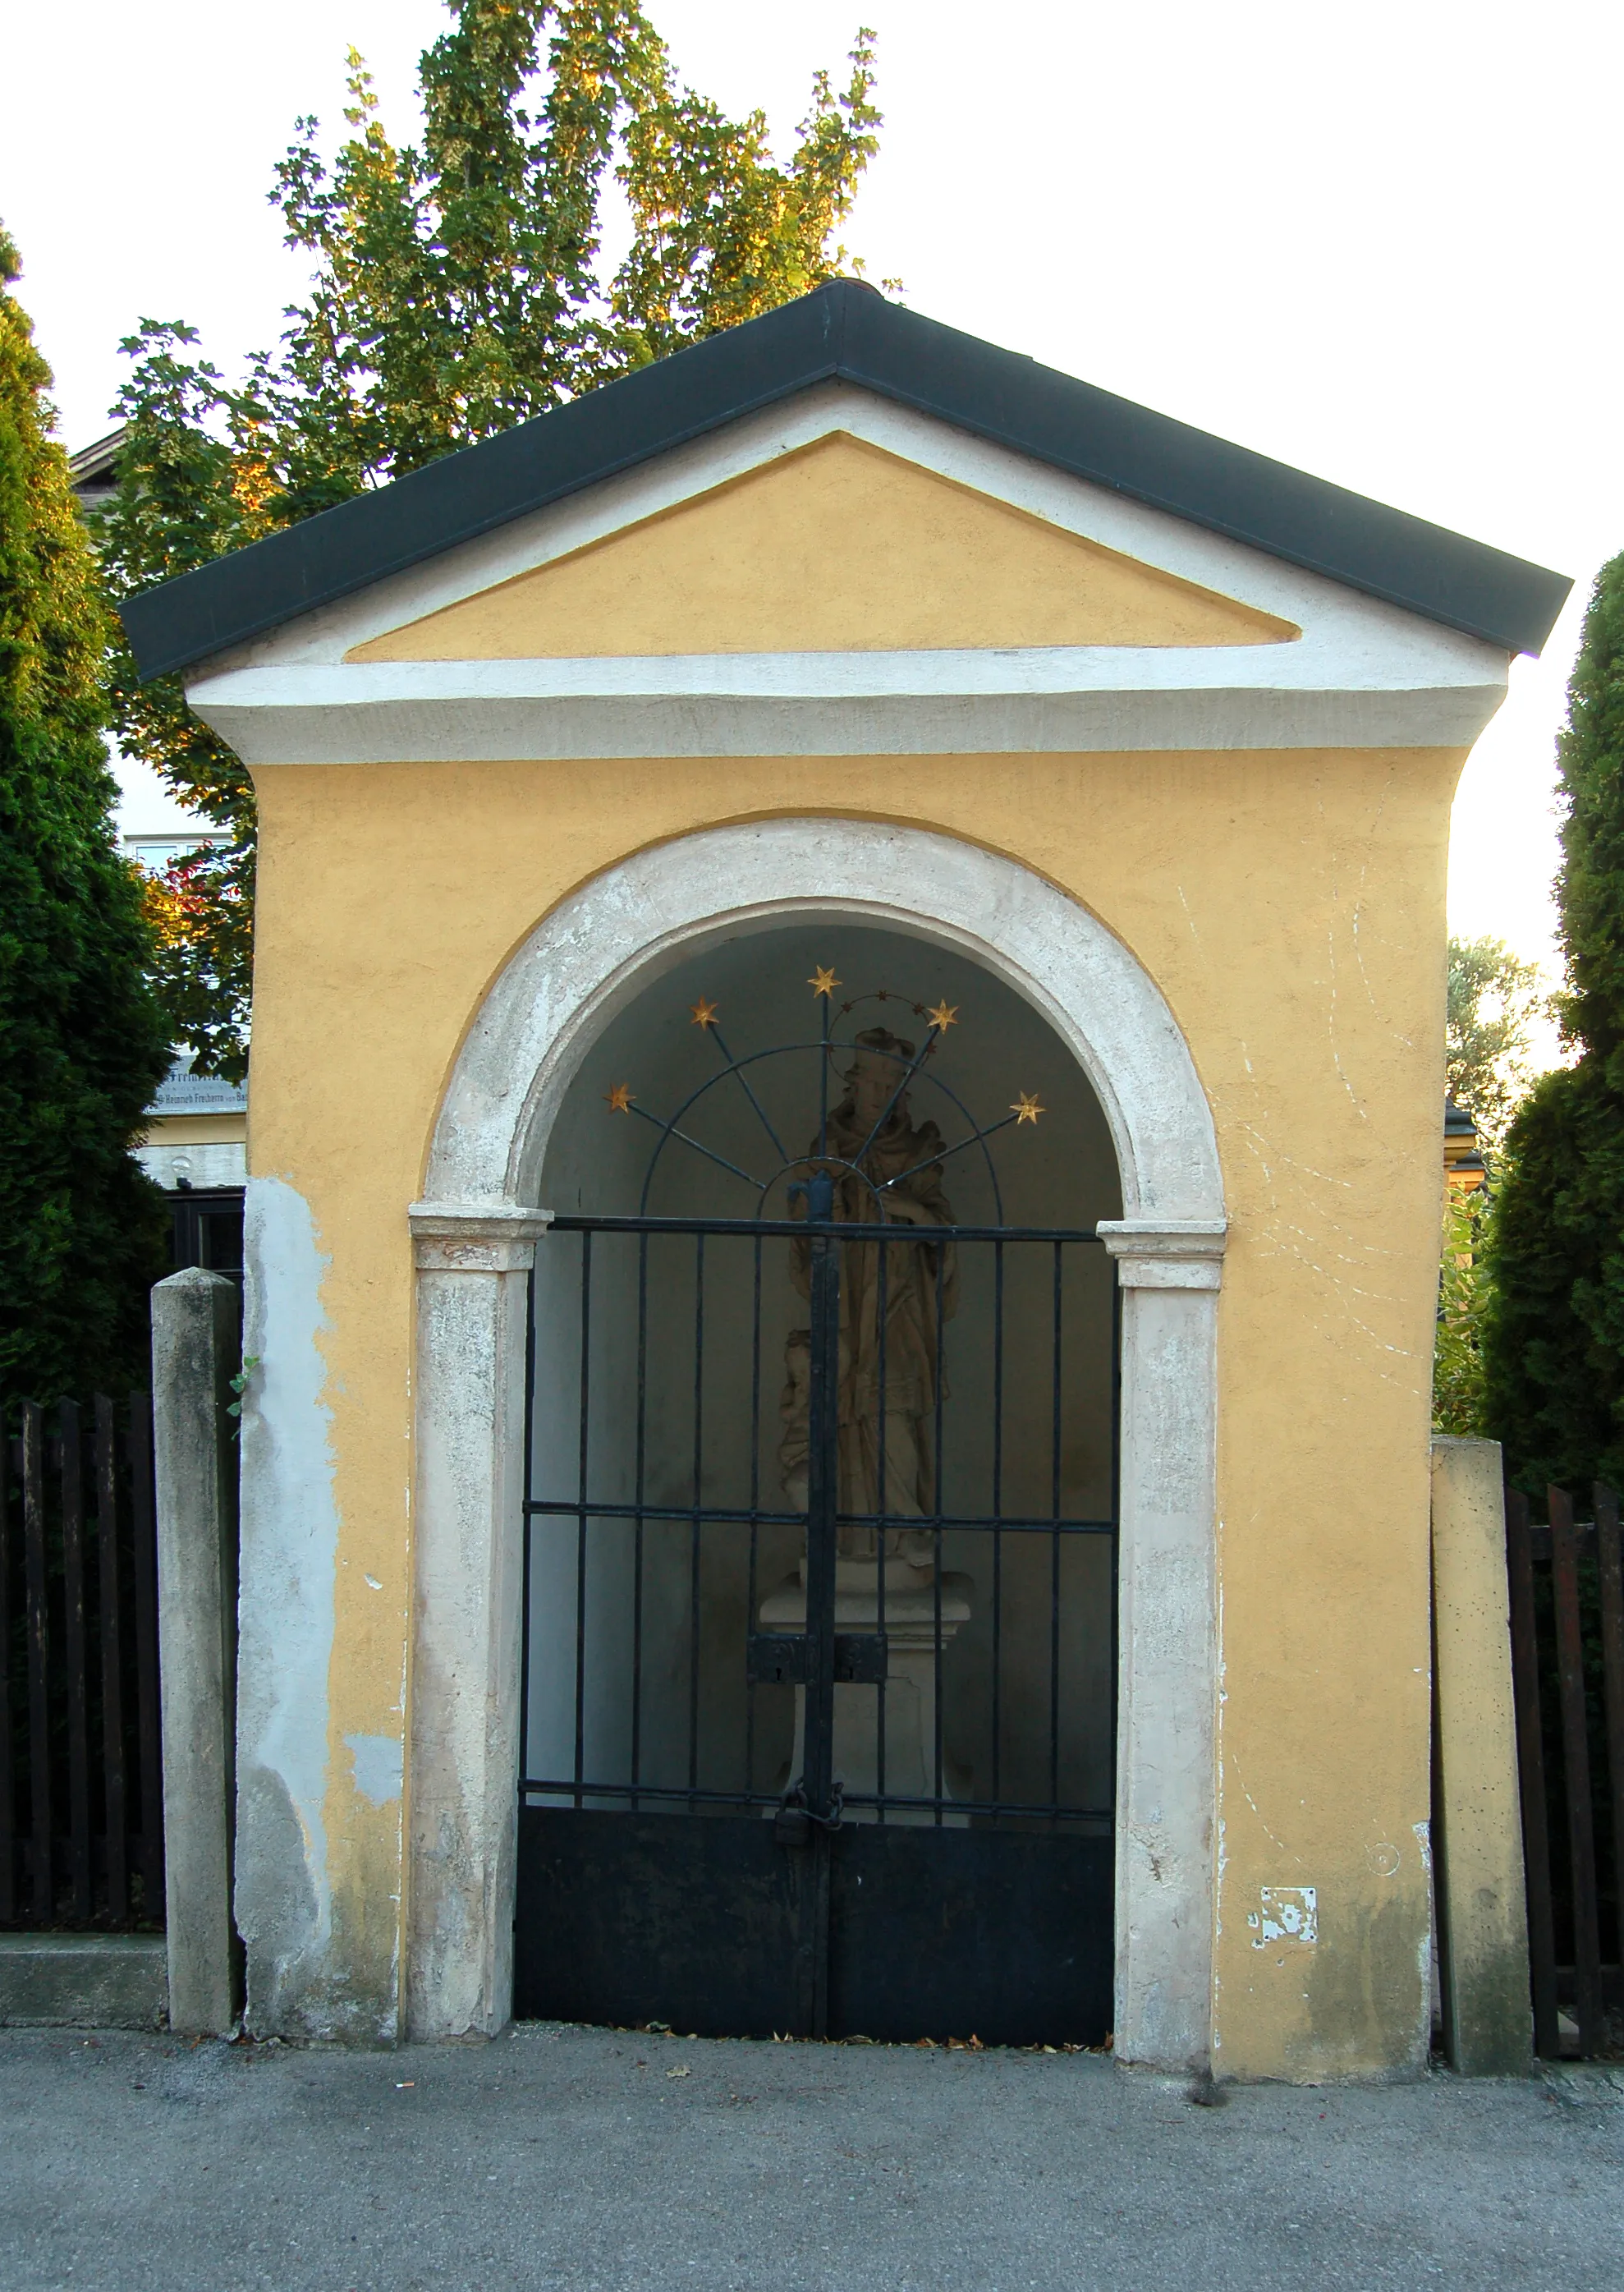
{"points": [[458, 287], [82, 1044], [1554, 1345]]}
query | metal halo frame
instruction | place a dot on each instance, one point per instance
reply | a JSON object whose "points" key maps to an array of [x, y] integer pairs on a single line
{"points": [[821, 1163]]}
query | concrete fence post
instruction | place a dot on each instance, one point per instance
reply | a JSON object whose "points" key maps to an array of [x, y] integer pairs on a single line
{"points": [[1482, 1912], [195, 1344]]}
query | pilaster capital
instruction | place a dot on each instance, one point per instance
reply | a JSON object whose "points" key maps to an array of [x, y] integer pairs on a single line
{"points": [[475, 1237], [1166, 1252]]}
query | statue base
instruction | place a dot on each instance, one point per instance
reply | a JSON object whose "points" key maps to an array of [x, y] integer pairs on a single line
{"points": [[909, 1690]]}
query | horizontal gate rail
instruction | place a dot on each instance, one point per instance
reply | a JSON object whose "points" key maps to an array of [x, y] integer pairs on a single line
{"points": [[808, 1229], [742, 1516]]}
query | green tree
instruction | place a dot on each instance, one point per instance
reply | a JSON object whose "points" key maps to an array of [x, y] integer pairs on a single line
{"points": [[459, 286], [83, 1043], [1554, 1337], [1463, 1298], [1495, 999]]}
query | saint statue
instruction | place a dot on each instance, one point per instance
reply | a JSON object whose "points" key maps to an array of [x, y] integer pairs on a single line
{"points": [[900, 1159]]}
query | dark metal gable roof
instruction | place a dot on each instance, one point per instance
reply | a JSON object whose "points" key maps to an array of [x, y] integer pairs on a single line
{"points": [[847, 331]]}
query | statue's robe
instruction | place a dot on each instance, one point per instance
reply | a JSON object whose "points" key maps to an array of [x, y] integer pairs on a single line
{"points": [[914, 1314]]}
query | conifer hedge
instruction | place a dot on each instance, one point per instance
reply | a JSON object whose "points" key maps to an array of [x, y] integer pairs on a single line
{"points": [[82, 1044], [1554, 1339]]}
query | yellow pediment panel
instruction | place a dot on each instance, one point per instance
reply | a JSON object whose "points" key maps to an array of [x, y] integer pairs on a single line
{"points": [[839, 546]]}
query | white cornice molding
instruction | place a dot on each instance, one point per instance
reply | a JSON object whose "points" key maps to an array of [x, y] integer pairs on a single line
{"points": [[1052, 701], [1166, 1254], [475, 1237], [1362, 674]]}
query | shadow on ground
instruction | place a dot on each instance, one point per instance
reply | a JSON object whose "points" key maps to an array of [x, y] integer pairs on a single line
{"points": [[591, 2159]]}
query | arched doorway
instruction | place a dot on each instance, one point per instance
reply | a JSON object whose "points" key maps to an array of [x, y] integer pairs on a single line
{"points": [[508, 1119], [818, 1726]]}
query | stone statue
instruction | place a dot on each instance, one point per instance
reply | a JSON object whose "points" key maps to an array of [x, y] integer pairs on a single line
{"points": [[904, 1153]]}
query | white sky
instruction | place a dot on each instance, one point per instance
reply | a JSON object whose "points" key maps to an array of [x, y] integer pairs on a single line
{"points": [[1378, 242]]}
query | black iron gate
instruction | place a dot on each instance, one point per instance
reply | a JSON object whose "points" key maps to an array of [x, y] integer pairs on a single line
{"points": [[873, 1797], [820, 1587]]}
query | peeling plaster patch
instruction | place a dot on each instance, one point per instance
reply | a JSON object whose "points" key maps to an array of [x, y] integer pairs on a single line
{"points": [[379, 1766], [1423, 1839], [286, 1603], [372, 1583], [1288, 1913]]}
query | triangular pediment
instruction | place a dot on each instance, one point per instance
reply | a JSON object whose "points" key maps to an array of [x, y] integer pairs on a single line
{"points": [[837, 545]]}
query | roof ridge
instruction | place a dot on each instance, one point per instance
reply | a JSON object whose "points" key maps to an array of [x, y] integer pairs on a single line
{"points": [[847, 329]]}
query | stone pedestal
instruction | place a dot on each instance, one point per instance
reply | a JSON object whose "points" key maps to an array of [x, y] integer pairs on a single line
{"points": [[910, 1685]]}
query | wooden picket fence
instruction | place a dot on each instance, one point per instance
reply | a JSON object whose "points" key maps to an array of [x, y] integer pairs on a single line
{"points": [[1567, 1660], [81, 1780]]}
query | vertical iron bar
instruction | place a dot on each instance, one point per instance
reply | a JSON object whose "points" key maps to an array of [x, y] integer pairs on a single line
{"points": [[822, 1500], [9, 1873], [529, 1526], [41, 1822], [70, 1445], [1054, 1565], [1610, 1567], [936, 1478], [998, 1507], [1576, 1772], [882, 1307], [755, 1503], [696, 1526], [150, 1741], [580, 1487], [639, 1498], [1530, 1774], [112, 1661], [827, 1005]]}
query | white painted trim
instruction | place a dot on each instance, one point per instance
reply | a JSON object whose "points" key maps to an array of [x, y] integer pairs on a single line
{"points": [[1362, 674], [1112, 700], [1093, 513], [450, 1238], [1158, 1253], [580, 965], [602, 945]]}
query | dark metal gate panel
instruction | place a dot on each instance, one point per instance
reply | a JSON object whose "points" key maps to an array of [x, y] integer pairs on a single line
{"points": [[755, 1799], [627, 1918], [631, 1919], [994, 1933]]}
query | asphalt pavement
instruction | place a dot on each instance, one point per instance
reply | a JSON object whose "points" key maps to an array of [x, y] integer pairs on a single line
{"points": [[591, 2159]]}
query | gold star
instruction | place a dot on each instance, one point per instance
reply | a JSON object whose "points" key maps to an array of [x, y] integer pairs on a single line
{"points": [[1026, 1109], [822, 981], [619, 1099], [945, 1016], [705, 1014]]}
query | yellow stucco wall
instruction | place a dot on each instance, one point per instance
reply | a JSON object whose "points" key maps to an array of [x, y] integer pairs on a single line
{"points": [[196, 1130], [1290, 907], [924, 562]]}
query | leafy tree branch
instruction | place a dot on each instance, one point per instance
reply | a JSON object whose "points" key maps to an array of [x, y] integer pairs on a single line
{"points": [[459, 287]]}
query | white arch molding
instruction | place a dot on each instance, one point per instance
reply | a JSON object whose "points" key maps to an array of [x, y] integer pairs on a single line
{"points": [[475, 1237]]}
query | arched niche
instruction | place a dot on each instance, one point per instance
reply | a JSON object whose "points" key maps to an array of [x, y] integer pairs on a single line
{"points": [[476, 1232]]}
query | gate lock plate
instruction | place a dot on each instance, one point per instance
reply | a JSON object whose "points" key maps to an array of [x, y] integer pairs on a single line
{"points": [[780, 1658]]}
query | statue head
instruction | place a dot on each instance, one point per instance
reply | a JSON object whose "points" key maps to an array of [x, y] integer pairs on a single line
{"points": [[880, 1062]]}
